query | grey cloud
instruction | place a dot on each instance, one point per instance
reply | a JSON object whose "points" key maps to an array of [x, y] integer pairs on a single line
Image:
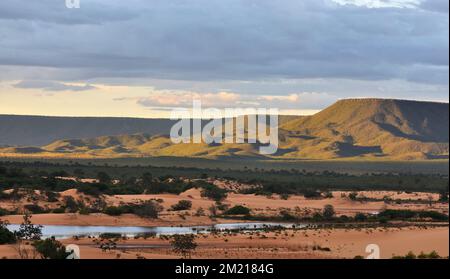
{"points": [[55, 11], [435, 5], [51, 86], [212, 40]]}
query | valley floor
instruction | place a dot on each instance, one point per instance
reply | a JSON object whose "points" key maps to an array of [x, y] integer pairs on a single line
{"points": [[289, 244]]}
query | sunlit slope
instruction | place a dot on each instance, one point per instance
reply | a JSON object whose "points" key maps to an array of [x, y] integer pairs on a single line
{"points": [[372, 127], [356, 128]]}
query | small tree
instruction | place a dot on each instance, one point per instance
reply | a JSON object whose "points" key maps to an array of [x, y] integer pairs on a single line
{"points": [[103, 177], [78, 173], [147, 179], [183, 245], [52, 249], [360, 217], [213, 210], [200, 212], [353, 196], [443, 195], [6, 236], [148, 209], [238, 210], [213, 192], [182, 205], [28, 231], [328, 211]]}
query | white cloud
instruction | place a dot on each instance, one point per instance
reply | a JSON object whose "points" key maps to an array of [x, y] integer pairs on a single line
{"points": [[52, 86], [410, 4], [167, 99]]}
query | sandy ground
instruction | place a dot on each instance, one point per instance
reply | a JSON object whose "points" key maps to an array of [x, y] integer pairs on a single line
{"points": [[264, 205], [285, 244], [258, 204]]}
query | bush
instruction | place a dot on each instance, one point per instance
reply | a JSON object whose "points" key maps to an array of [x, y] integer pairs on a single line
{"points": [[34, 208], [59, 210], [328, 211], [28, 231], [52, 196], [6, 236], [51, 249], [113, 211], [311, 194], [287, 216], [432, 255], [409, 256], [360, 217], [213, 192], [222, 206], [71, 204], [4, 212], [103, 178], [328, 195], [182, 205], [110, 236], [148, 209], [183, 244], [238, 210], [84, 211], [353, 196], [393, 214]]}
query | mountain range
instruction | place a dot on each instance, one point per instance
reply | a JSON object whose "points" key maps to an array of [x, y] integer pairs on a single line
{"points": [[351, 128]]}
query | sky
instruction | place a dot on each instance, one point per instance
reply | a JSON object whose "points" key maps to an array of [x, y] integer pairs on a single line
{"points": [[141, 58]]}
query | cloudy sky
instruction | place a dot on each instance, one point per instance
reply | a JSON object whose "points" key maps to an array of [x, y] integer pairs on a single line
{"points": [[143, 57]]}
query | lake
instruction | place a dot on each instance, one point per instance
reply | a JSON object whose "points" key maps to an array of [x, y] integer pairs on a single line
{"points": [[63, 232]]}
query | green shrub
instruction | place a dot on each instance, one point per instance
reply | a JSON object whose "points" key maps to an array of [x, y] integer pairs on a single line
{"points": [[432, 255], [360, 217], [4, 212], [6, 236], [311, 194], [353, 196], [29, 231], [34, 208], [148, 209], [409, 256], [59, 210], [71, 204], [84, 211], [113, 211], [110, 235], [393, 214], [182, 205], [51, 249], [183, 244], [287, 216], [328, 211], [52, 196], [213, 192], [238, 210]]}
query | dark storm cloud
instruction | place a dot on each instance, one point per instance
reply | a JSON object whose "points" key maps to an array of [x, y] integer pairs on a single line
{"points": [[206, 40]]}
